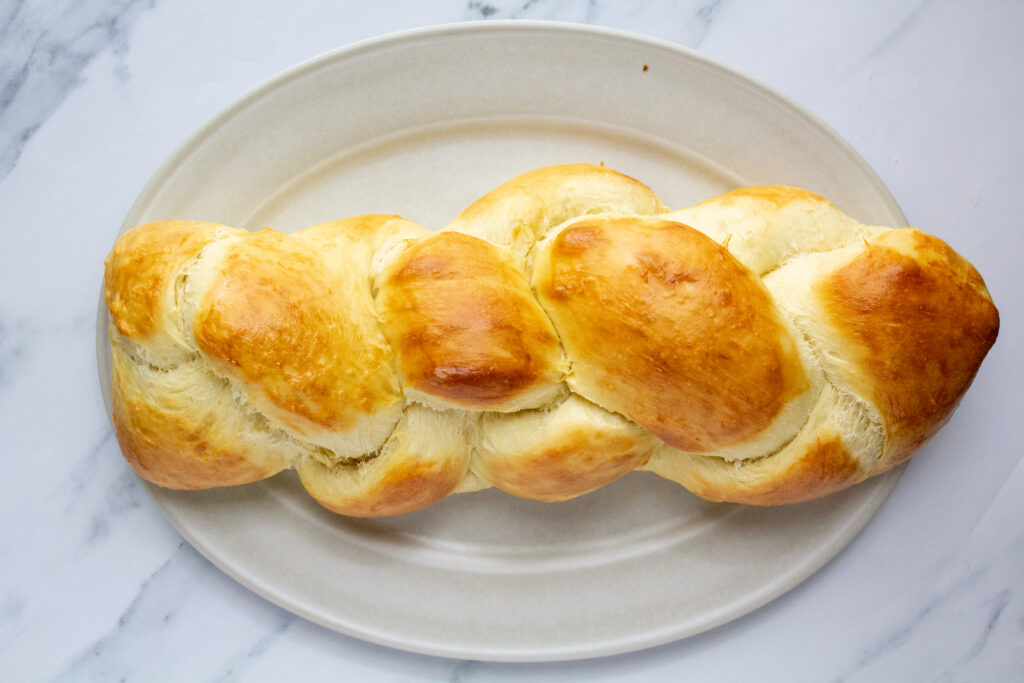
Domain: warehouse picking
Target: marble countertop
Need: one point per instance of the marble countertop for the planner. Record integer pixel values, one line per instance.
(96, 585)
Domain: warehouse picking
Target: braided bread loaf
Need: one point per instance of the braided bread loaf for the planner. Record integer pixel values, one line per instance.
(564, 330)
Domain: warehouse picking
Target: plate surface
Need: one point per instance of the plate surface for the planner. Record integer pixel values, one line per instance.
(420, 124)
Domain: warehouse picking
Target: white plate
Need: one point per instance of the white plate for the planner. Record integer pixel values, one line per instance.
(420, 124)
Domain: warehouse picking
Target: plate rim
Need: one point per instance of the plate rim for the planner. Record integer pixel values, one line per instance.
(634, 642)
(439, 31)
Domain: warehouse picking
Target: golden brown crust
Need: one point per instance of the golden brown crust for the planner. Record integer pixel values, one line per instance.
(777, 195)
(171, 439)
(466, 329)
(650, 342)
(174, 455)
(140, 268)
(560, 453)
(821, 467)
(835, 448)
(664, 326)
(765, 226)
(521, 211)
(404, 487)
(277, 317)
(362, 239)
(423, 460)
(584, 461)
(919, 322)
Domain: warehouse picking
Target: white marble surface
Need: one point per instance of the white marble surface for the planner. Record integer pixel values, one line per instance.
(96, 585)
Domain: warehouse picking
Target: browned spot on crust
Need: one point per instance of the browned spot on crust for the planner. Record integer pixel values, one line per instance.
(464, 323)
(665, 326)
(577, 240)
(920, 322)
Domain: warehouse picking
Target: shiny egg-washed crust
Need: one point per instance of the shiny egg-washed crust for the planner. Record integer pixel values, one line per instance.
(465, 327)
(760, 347)
(683, 308)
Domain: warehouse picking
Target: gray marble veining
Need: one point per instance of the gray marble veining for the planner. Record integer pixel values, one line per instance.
(893, 35)
(113, 648)
(44, 46)
(236, 669)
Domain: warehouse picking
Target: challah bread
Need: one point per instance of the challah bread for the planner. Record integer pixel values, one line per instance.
(760, 347)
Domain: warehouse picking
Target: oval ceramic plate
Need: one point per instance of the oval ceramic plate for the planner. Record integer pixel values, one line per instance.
(420, 124)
